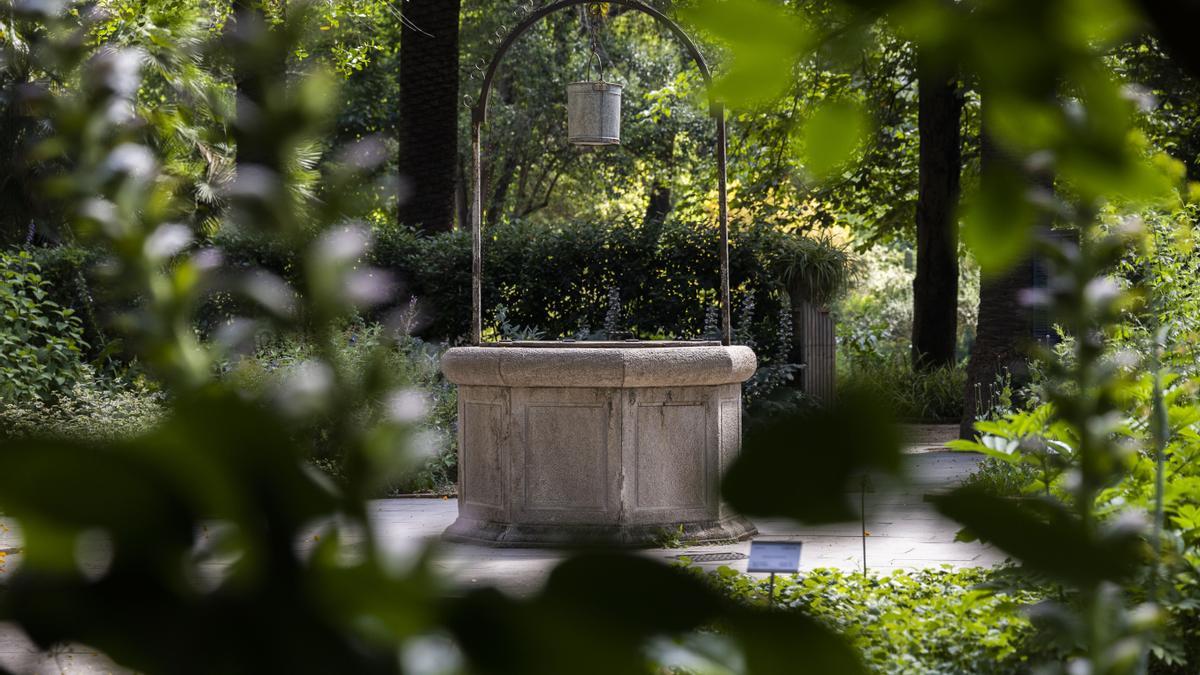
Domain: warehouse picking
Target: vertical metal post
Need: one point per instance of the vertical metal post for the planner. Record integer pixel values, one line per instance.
(718, 111)
(863, 516)
(476, 229)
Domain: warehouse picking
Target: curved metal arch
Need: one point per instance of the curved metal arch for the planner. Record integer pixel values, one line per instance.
(479, 110)
(479, 115)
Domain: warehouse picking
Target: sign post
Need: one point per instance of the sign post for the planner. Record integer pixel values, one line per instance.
(773, 557)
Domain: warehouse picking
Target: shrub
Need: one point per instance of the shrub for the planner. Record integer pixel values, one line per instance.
(67, 271)
(1003, 479)
(559, 278)
(40, 341)
(435, 468)
(876, 314)
(91, 408)
(1034, 452)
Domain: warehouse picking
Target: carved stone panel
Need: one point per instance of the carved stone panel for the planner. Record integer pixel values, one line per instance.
(671, 449)
(566, 457)
(481, 456)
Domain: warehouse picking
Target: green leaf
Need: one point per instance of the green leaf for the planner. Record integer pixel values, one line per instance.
(765, 39)
(801, 465)
(585, 602)
(998, 220)
(1046, 537)
(791, 642)
(832, 135)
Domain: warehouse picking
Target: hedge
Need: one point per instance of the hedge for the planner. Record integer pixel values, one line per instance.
(556, 278)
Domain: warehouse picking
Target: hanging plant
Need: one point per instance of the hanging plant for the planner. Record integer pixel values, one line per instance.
(815, 269)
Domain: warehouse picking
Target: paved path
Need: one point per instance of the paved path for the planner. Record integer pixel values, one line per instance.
(905, 533)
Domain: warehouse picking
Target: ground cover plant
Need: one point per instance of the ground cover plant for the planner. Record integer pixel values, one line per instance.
(927, 621)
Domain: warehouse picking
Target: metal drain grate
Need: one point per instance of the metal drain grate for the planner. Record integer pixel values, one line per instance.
(711, 557)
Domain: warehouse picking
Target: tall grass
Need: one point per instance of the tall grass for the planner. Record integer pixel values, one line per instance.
(933, 396)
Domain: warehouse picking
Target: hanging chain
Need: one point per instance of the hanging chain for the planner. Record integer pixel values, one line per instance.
(593, 16)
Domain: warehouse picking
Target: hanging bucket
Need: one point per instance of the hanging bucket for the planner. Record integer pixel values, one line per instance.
(594, 113)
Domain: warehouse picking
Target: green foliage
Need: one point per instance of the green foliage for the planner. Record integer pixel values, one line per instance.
(929, 621)
(1062, 47)
(293, 551)
(1034, 451)
(93, 408)
(40, 341)
(831, 136)
(774, 476)
(1040, 447)
(559, 278)
(580, 622)
(1001, 477)
(217, 454)
(927, 395)
(65, 269)
(762, 36)
(1070, 525)
(875, 315)
(816, 269)
(874, 325)
(233, 454)
(771, 391)
(430, 401)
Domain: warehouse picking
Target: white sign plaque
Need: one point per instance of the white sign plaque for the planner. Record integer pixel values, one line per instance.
(774, 556)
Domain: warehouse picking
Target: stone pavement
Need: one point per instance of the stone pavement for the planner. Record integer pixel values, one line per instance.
(905, 533)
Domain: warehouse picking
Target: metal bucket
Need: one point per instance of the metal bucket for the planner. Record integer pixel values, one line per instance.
(594, 113)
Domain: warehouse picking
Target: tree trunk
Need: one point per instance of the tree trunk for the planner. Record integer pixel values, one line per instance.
(1004, 325)
(252, 81)
(935, 288)
(429, 107)
(500, 186)
(659, 204)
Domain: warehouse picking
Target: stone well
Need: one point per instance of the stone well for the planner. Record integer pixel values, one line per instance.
(566, 443)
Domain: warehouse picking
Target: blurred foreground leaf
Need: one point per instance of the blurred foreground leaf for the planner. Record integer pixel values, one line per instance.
(621, 602)
(1046, 537)
(999, 219)
(119, 556)
(832, 134)
(801, 465)
(766, 39)
(791, 642)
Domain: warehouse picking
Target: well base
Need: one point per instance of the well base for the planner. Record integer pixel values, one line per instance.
(616, 444)
(510, 535)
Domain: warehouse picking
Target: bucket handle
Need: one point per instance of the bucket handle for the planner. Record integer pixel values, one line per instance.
(595, 56)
